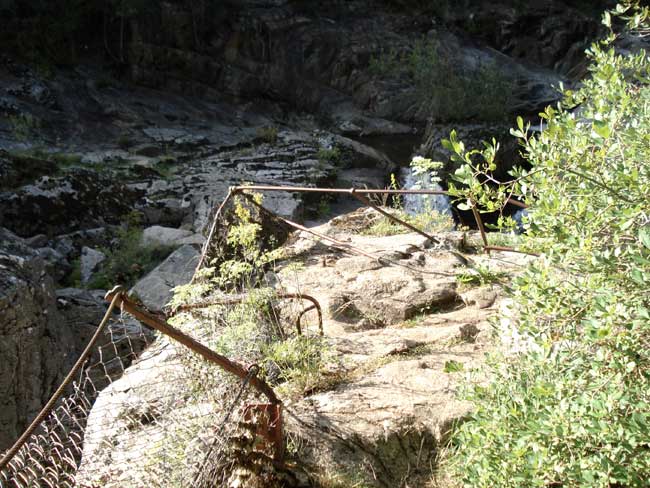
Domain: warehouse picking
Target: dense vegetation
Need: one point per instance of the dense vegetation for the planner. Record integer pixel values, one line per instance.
(569, 403)
(445, 88)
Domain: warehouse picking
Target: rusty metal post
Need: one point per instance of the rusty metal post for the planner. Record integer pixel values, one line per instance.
(479, 224)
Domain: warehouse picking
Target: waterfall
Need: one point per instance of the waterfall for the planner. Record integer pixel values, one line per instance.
(416, 204)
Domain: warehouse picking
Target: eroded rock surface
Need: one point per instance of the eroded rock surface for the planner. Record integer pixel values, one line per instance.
(398, 344)
(36, 345)
(401, 346)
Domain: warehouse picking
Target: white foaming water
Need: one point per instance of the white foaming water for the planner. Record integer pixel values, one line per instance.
(416, 204)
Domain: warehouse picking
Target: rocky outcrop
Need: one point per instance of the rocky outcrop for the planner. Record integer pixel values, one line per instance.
(387, 396)
(36, 345)
(550, 34)
(316, 57)
(57, 205)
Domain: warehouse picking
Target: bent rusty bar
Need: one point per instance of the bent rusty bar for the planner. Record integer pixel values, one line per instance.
(155, 322)
(238, 299)
(315, 305)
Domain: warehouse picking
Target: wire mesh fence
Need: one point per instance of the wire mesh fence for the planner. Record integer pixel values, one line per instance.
(145, 410)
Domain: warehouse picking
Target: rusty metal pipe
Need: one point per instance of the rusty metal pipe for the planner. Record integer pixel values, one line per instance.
(479, 224)
(314, 305)
(345, 246)
(308, 189)
(232, 300)
(159, 324)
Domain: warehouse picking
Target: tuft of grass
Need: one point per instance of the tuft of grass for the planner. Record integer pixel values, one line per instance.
(480, 276)
(453, 366)
(24, 126)
(331, 156)
(297, 363)
(431, 221)
(268, 134)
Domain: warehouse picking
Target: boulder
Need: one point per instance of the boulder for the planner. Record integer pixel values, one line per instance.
(156, 288)
(90, 262)
(167, 236)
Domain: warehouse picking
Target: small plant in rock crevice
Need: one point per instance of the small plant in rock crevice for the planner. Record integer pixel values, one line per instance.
(268, 134)
(24, 126)
(128, 259)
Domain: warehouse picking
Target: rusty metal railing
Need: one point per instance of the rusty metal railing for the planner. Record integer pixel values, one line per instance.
(361, 195)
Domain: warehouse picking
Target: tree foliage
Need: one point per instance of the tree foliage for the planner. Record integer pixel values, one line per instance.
(571, 405)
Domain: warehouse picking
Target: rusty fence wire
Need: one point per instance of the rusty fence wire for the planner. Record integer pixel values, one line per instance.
(145, 410)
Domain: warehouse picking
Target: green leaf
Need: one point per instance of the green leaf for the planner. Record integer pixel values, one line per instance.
(602, 128)
(644, 237)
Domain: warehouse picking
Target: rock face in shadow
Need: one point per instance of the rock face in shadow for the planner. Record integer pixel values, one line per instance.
(57, 205)
(36, 345)
(316, 57)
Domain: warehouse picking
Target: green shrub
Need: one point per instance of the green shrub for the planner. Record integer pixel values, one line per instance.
(268, 134)
(329, 156)
(445, 89)
(128, 260)
(24, 126)
(569, 404)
